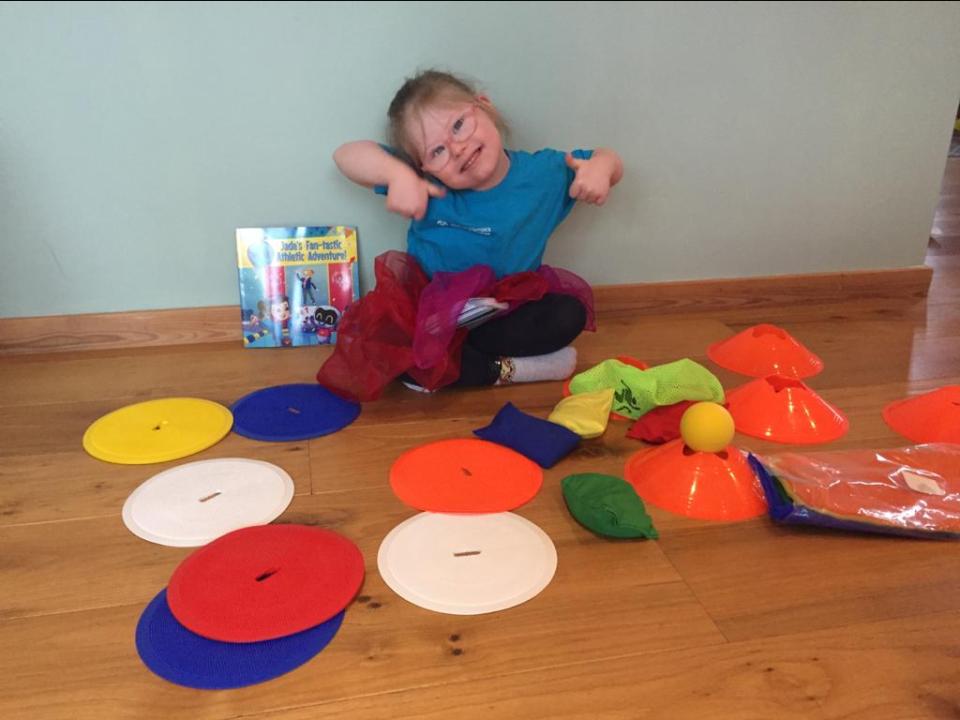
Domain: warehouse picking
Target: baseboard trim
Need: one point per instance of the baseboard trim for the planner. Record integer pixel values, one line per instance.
(689, 296)
(154, 328)
(108, 331)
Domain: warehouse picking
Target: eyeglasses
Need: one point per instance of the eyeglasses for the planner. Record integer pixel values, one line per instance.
(461, 129)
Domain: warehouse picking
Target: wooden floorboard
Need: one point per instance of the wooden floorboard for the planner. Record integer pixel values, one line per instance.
(808, 676)
(712, 621)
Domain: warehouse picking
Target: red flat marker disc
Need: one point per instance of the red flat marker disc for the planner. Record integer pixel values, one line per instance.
(266, 582)
(465, 476)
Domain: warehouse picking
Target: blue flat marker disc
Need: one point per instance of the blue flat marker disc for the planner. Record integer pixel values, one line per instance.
(292, 412)
(185, 658)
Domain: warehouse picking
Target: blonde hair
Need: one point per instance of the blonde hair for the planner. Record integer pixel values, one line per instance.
(425, 88)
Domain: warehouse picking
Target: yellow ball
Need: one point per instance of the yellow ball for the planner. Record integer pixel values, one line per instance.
(706, 427)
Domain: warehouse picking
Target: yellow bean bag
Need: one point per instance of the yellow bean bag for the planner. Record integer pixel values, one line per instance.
(586, 413)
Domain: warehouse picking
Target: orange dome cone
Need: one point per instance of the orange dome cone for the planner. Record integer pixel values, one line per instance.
(785, 410)
(764, 350)
(928, 418)
(701, 485)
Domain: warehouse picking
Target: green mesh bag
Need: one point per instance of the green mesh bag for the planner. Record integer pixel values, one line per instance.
(636, 391)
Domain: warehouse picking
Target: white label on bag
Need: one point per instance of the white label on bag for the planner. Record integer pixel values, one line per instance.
(922, 484)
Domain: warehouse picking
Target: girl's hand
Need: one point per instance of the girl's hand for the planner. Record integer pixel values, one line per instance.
(408, 194)
(592, 181)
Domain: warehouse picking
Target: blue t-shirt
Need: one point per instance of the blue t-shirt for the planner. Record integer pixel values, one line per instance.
(505, 227)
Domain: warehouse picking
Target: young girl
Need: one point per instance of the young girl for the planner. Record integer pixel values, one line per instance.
(481, 216)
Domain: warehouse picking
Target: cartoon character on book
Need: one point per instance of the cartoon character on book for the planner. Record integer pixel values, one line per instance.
(321, 320)
(327, 319)
(252, 324)
(307, 285)
(279, 320)
(307, 322)
(340, 282)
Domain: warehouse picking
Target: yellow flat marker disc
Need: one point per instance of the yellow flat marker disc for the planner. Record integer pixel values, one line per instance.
(157, 431)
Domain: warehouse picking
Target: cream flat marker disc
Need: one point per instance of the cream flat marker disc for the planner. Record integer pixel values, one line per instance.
(193, 504)
(467, 564)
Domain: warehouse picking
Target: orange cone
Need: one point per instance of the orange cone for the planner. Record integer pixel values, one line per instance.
(783, 409)
(626, 360)
(928, 418)
(701, 485)
(764, 350)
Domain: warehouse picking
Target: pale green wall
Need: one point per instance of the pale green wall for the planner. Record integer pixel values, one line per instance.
(758, 138)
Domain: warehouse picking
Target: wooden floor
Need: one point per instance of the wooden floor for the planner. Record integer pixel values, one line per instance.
(738, 621)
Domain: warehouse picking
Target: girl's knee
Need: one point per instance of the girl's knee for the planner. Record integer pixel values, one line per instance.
(569, 314)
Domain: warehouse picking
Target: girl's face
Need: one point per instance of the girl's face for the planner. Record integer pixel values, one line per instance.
(459, 144)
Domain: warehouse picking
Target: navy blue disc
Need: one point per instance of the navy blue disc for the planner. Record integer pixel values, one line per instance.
(292, 412)
(185, 658)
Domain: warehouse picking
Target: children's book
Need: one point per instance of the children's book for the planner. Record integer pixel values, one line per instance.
(478, 310)
(295, 283)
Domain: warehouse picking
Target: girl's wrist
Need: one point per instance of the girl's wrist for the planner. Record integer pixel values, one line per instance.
(399, 171)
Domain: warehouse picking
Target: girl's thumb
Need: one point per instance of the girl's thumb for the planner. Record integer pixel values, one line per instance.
(435, 190)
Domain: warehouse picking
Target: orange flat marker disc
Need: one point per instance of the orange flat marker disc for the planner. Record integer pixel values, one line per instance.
(465, 476)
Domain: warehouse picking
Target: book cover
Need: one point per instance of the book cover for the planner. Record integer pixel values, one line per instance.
(478, 310)
(295, 283)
